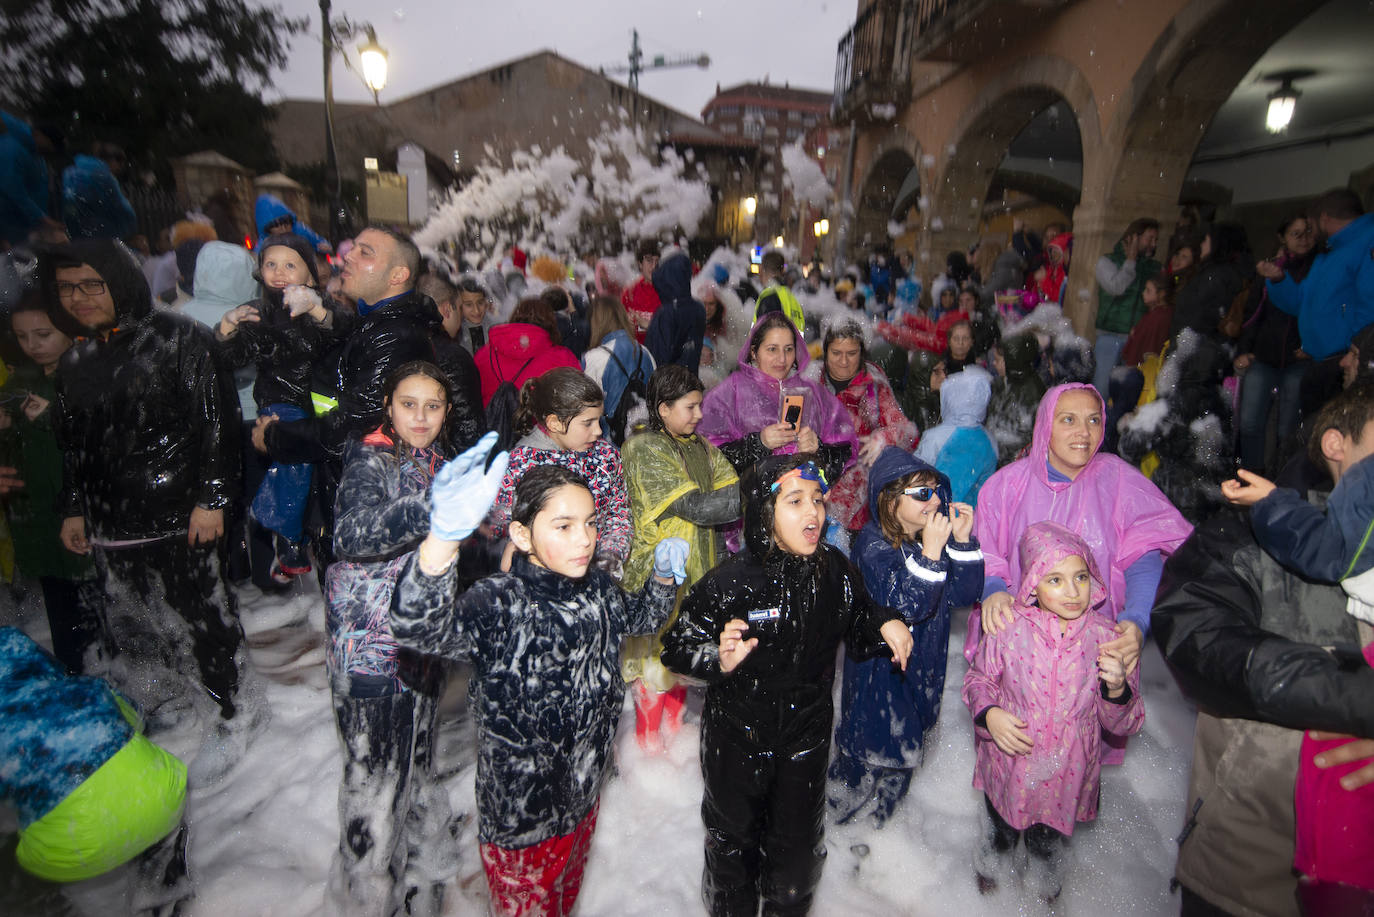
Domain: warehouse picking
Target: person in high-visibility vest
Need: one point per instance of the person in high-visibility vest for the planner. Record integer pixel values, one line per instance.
(776, 297)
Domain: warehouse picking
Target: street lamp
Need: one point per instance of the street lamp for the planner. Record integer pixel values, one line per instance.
(820, 228)
(751, 204)
(374, 63)
(374, 74)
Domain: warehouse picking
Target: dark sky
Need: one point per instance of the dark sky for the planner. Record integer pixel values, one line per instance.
(432, 42)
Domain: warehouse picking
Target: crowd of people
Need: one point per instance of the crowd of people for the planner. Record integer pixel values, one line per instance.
(650, 474)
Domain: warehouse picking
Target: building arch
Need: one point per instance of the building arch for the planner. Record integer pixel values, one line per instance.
(889, 180)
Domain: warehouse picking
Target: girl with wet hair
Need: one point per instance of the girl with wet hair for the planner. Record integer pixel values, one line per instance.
(544, 643)
(384, 700)
(559, 422)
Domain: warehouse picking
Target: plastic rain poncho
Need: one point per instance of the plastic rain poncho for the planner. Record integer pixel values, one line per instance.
(750, 399)
(659, 470)
(1046, 674)
(1110, 505)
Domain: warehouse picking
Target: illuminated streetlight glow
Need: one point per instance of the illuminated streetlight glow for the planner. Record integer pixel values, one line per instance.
(751, 204)
(778, 242)
(374, 64)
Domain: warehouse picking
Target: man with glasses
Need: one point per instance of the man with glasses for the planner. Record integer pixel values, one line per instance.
(149, 432)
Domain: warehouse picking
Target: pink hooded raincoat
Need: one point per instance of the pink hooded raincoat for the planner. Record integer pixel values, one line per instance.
(1049, 679)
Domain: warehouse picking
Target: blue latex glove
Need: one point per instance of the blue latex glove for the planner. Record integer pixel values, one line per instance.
(670, 559)
(462, 492)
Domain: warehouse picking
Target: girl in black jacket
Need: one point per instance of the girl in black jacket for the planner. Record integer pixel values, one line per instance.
(761, 630)
(544, 642)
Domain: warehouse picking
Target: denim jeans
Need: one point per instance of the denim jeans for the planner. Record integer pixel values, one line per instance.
(1107, 353)
(1256, 395)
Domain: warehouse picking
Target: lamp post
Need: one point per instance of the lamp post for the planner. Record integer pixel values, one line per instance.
(374, 75)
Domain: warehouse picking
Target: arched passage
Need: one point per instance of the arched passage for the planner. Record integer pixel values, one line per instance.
(1193, 67)
(891, 187)
(1003, 110)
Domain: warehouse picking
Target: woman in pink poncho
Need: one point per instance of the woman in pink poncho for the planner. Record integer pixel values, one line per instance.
(743, 416)
(1130, 526)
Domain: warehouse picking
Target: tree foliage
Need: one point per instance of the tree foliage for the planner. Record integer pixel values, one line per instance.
(162, 78)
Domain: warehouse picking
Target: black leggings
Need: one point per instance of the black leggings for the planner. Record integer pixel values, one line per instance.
(1042, 841)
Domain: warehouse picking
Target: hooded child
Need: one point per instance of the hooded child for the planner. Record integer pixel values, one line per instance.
(745, 418)
(917, 555)
(682, 487)
(1042, 691)
(391, 858)
(762, 630)
(283, 335)
(959, 447)
(1127, 523)
(544, 643)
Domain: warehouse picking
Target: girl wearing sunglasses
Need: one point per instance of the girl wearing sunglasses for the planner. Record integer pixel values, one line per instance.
(917, 555)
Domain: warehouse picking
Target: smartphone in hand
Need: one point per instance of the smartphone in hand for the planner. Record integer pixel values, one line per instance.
(792, 404)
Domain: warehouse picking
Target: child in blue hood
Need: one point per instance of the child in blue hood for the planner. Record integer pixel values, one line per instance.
(917, 555)
(959, 446)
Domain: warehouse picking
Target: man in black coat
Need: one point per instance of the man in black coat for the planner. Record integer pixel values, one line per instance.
(149, 433)
(1265, 653)
(396, 325)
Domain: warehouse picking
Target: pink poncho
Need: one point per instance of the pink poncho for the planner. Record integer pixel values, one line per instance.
(749, 399)
(1110, 505)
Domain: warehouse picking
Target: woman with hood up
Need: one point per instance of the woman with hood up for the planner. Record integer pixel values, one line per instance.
(1064, 478)
(918, 557)
(959, 446)
(761, 630)
(864, 391)
(745, 417)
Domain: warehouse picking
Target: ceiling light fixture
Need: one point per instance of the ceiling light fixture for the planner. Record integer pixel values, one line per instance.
(1284, 100)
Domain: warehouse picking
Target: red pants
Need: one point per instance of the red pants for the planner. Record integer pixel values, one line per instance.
(541, 880)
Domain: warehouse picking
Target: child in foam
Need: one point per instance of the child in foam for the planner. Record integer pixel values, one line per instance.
(560, 422)
(917, 554)
(1041, 692)
(680, 486)
(91, 791)
(762, 630)
(385, 701)
(544, 641)
(283, 334)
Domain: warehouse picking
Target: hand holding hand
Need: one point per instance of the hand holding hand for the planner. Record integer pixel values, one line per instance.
(1127, 646)
(1112, 672)
(807, 440)
(1248, 490)
(73, 535)
(206, 525)
(260, 431)
(935, 535)
(961, 522)
(670, 559)
(898, 638)
(777, 435)
(463, 491)
(1009, 732)
(996, 612)
(733, 646)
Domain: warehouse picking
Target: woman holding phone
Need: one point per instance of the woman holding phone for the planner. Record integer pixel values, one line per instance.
(768, 408)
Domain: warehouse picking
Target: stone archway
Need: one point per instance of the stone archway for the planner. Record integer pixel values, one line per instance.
(889, 179)
(1193, 67)
(1003, 108)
